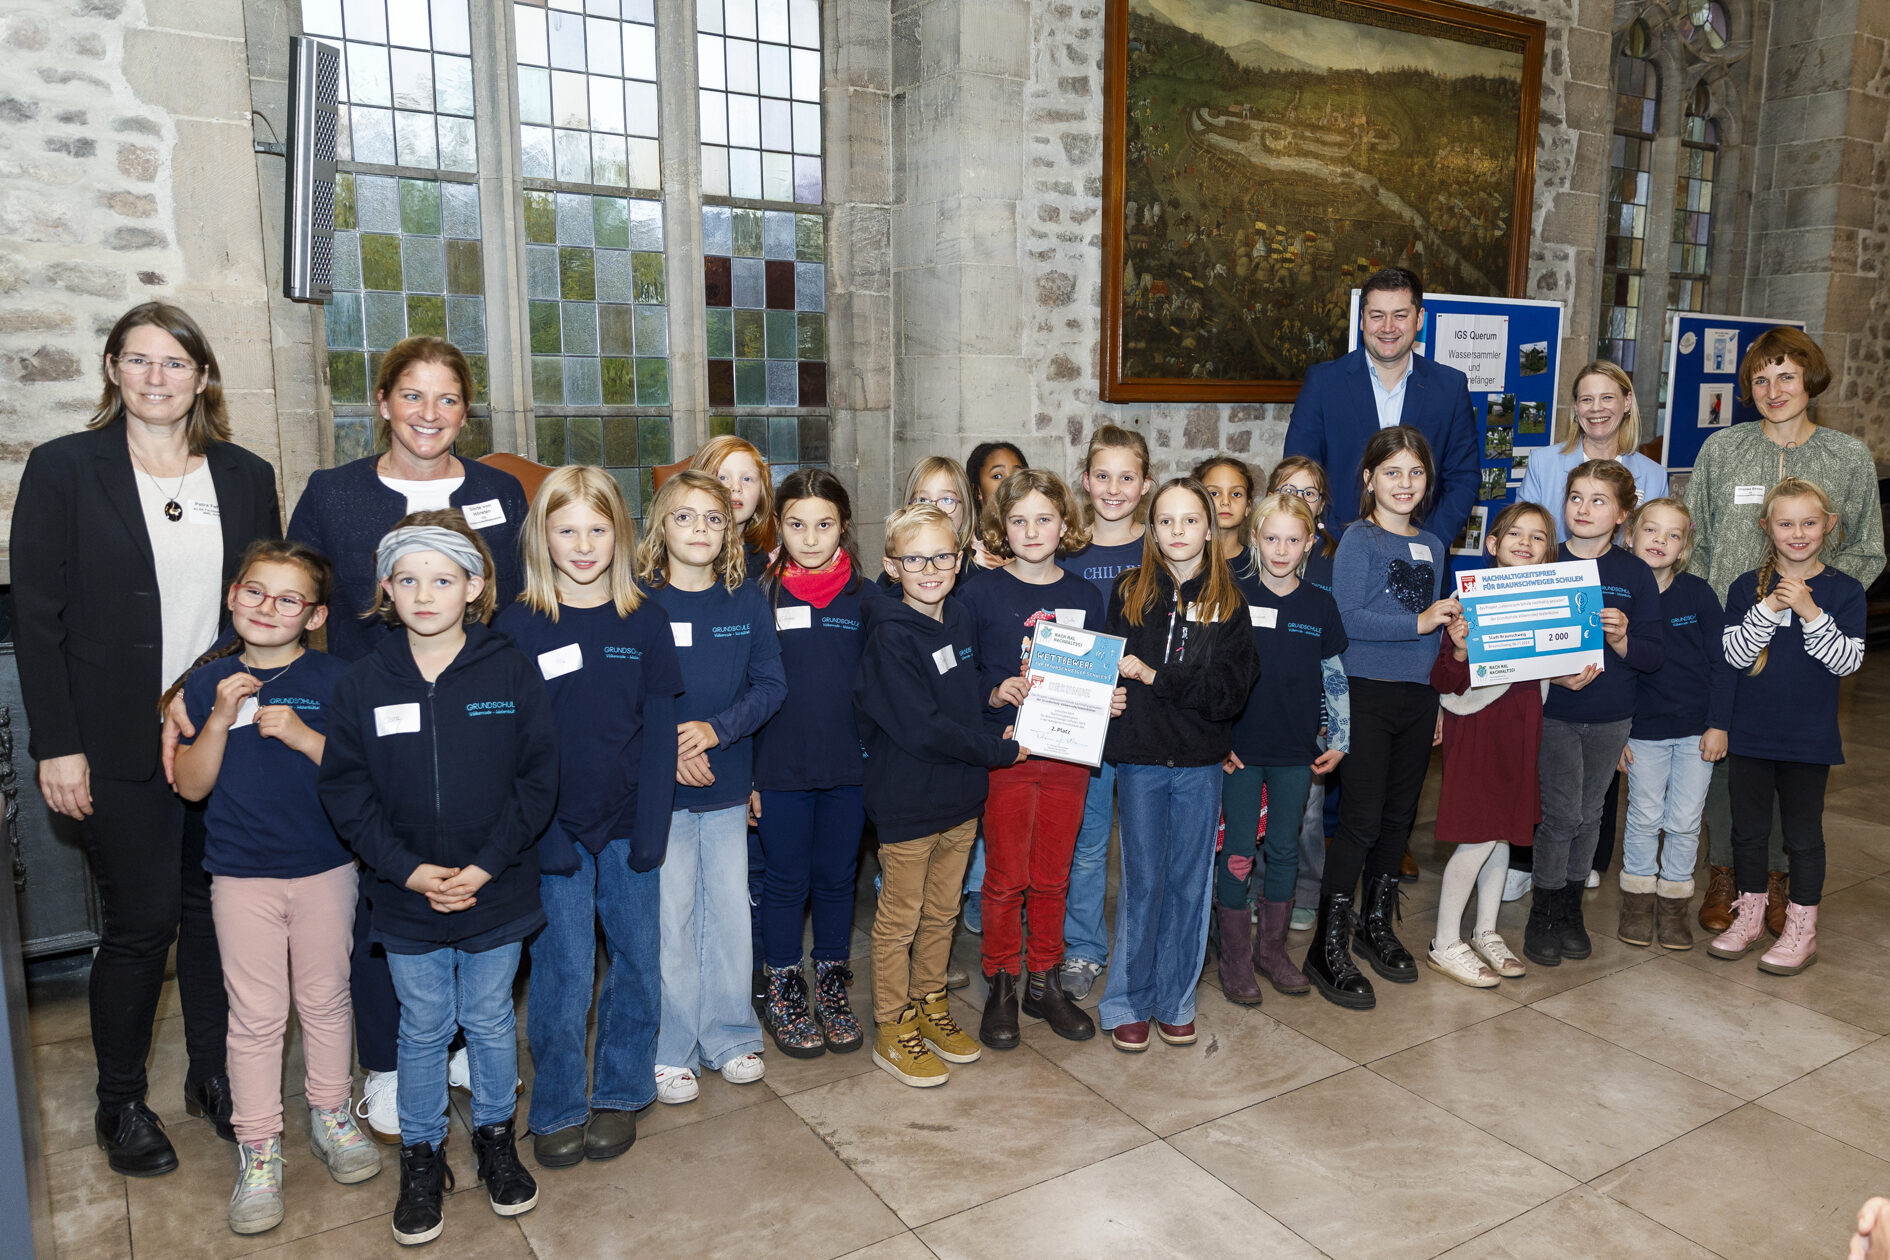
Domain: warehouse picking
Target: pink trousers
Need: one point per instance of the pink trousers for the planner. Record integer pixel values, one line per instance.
(283, 937)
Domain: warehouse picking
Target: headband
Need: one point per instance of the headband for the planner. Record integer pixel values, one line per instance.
(411, 538)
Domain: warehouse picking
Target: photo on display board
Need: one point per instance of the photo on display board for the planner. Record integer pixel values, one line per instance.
(1495, 483)
(1518, 465)
(1716, 405)
(1534, 358)
(1502, 409)
(1498, 441)
(1721, 351)
(1470, 542)
(1532, 418)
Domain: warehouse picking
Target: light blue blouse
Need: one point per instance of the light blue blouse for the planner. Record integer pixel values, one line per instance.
(1546, 482)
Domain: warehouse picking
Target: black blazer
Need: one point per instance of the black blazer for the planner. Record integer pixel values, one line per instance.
(87, 623)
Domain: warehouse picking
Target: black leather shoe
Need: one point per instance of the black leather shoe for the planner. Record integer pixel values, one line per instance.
(424, 1181)
(1569, 926)
(211, 1101)
(509, 1188)
(1375, 941)
(1045, 999)
(1542, 940)
(560, 1148)
(998, 1028)
(610, 1134)
(134, 1143)
(1328, 963)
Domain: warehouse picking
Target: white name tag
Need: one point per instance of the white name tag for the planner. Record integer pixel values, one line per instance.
(1071, 617)
(683, 632)
(1787, 614)
(201, 513)
(1420, 551)
(396, 719)
(1194, 612)
(945, 658)
(1263, 618)
(245, 713)
(797, 617)
(561, 661)
(1748, 494)
(484, 515)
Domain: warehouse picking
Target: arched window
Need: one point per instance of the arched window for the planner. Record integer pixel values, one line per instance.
(1630, 185)
(1689, 259)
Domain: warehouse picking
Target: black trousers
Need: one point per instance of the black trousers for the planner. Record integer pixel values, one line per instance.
(371, 988)
(1798, 788)
(1393, 724)
(146, 849)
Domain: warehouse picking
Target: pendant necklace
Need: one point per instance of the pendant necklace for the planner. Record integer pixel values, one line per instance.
(263, 682)
(173, 510)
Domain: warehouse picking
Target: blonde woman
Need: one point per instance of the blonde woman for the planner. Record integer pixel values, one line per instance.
(1606, 425)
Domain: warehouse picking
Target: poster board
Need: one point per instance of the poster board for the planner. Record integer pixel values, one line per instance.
(1703, 353)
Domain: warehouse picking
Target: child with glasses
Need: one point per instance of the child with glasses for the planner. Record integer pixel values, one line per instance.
(939, 481)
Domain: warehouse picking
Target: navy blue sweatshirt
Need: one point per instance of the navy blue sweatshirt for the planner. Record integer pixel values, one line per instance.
(1628, 584)
(613, 683)
(732, 679)
(1006, 610)
(1101, 566)
(461, 771)
(1203, 674)
(812, 743)
(1292, 636)
(919, 701)
(345, 511)
(1692, 689)
(1788, 711)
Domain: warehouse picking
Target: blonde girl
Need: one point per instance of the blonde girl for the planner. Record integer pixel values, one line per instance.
(1305, 479)
(740, 466)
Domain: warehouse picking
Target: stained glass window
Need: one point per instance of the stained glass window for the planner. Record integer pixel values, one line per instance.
(407, 86)
(758, 75)
(587, 92)
(765, 290)
(630, 447)
(597, 307)
(1637, 103)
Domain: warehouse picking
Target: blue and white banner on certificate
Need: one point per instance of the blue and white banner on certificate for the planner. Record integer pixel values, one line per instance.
(1532, 621)
(1072, 676)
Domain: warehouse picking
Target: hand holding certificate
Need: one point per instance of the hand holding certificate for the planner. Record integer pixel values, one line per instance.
(1532, 621)
(1072, 676)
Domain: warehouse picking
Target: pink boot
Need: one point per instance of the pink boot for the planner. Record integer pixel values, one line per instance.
(1747, 929)
(1797, 947)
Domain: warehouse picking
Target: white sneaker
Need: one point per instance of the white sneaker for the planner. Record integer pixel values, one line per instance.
(1494, 950)
(1456, 961)
(1516, 885)
(675, 1085)
(1594, 880)
(380, 1107)
(743, 1070)
(459, 1069)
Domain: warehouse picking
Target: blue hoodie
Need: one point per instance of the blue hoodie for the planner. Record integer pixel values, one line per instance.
(462, 771)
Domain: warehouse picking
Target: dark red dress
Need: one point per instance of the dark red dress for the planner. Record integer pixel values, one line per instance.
(1489, 790)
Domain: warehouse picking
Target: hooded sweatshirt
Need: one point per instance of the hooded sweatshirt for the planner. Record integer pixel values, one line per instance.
(462, 771)
(918, 697)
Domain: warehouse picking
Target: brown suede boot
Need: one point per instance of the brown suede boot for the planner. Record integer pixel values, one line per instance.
(1637, 910)
(1670, 914)
(1777, 885)
(1716, 912)
(1236, 967)
(1269, 950)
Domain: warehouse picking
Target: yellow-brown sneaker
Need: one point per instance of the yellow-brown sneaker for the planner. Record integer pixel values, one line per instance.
(949, 1042)
(898, 1048)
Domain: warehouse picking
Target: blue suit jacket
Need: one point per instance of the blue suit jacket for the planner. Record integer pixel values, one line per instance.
(1337, 413)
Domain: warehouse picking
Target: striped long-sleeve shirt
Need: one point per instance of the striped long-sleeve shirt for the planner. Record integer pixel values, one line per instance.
(1788, 711)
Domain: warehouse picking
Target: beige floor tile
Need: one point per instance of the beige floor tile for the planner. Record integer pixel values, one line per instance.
(57, 1008)
(473, 1232)
(1862, 910)
(1850, 981)
(1003, 1123)
(67, 1078)
(1578, 1103)
(90, 1218)
(1406, 1015)
(1846, 1100)
(1754, 1185)
(1243, 1056)
(752, 1182)
(1150, 1201)
(1712, 1029)
(1354, 1165)
(1609, 956)
(898, 1247)
(1859, 841)
(1583, 1223)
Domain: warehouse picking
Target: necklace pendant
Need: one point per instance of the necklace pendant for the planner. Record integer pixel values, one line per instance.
(173, 511)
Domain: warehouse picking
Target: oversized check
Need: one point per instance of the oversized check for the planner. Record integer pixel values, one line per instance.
(1532, 621)
(1072, 674)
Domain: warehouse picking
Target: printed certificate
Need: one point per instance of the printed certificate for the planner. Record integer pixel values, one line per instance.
(1072, 674)
(1534, 621)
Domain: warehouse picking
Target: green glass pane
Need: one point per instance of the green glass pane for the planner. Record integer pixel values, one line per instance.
(653, 440)
(813, 441)
(813, 336)
(374, 369)
(746, 233)
(646, 278)
(344, 202)
(782, 338)
(342, 319)
(347, 376)
(420, 207)
(629, 482)
(721, 334)
(615, 330)
(620, 390)
(585, 445)
(548, 381)
(648, 480)
(545, 330)
(354, 438)
(721, 426)
(753, 429)
(541, 218)
(475, 439)
(783, 440)
(652, 382)
(550, 440)
(380, 262)
(426, 316)
(612, 215)
(750, 335)
(652, 331)
(620, 440)
(751, 387)
(465, 269)
(577, 274)
(810, 238)
(481, 375)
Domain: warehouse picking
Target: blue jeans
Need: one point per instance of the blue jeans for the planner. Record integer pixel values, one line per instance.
(564, 961)
(441, 992)
(707, 950)
(974, 869)
(1667, 783)
(1169, 817)
(812, 841)
(1085, 936)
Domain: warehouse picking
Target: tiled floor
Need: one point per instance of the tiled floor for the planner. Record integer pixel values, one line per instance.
(1637, 1104)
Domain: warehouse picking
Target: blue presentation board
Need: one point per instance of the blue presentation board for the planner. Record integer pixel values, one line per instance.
(1703, 353)
(1510, 348)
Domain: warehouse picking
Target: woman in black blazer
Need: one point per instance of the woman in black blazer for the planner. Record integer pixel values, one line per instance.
(125, 538)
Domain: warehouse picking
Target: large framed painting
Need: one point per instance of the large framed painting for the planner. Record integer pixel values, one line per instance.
(1262, 157)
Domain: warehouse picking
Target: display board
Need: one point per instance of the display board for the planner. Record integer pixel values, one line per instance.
(1703, 353)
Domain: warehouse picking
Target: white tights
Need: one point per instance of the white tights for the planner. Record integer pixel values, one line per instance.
(1479, 865)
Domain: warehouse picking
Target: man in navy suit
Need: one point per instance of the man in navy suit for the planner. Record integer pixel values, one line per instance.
(1380, 384)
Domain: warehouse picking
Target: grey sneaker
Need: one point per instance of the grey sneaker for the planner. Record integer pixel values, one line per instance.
(1303, 918)
(256, 1203)
(336, 1141)
(956, 977)
(1079, 977)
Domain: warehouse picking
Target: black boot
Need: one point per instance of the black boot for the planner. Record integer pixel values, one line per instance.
(424, 1181)
(1572, 932)
(1375, 942)
(509, 1187)
(211, 1101)
(1328, 964)
(133, 1141)
(998, 1028)
(1044, 999)
(1542, 937)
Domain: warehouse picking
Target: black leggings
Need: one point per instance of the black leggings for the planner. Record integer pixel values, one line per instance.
(1393, 724)
(1798, 787)
(146, 849)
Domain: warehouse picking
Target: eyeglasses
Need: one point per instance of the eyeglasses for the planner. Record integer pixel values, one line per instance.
(944, 562)
(686, 518)
(944, 503)
(173, 368)
(1307, 493)
(256, 597)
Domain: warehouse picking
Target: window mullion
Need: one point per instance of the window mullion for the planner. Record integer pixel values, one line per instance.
(495, 86)
(678, 111)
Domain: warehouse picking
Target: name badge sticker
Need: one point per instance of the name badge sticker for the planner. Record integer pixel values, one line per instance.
(1071, 617)
(245, 713)
(1748, 494)
(202, 513)
(561, 661)
(1420, 551)
(945, 659)
(484, 515)
(1263, 618)
(683, 632)
(1194, 612)
(397, 719)
(797, 617)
